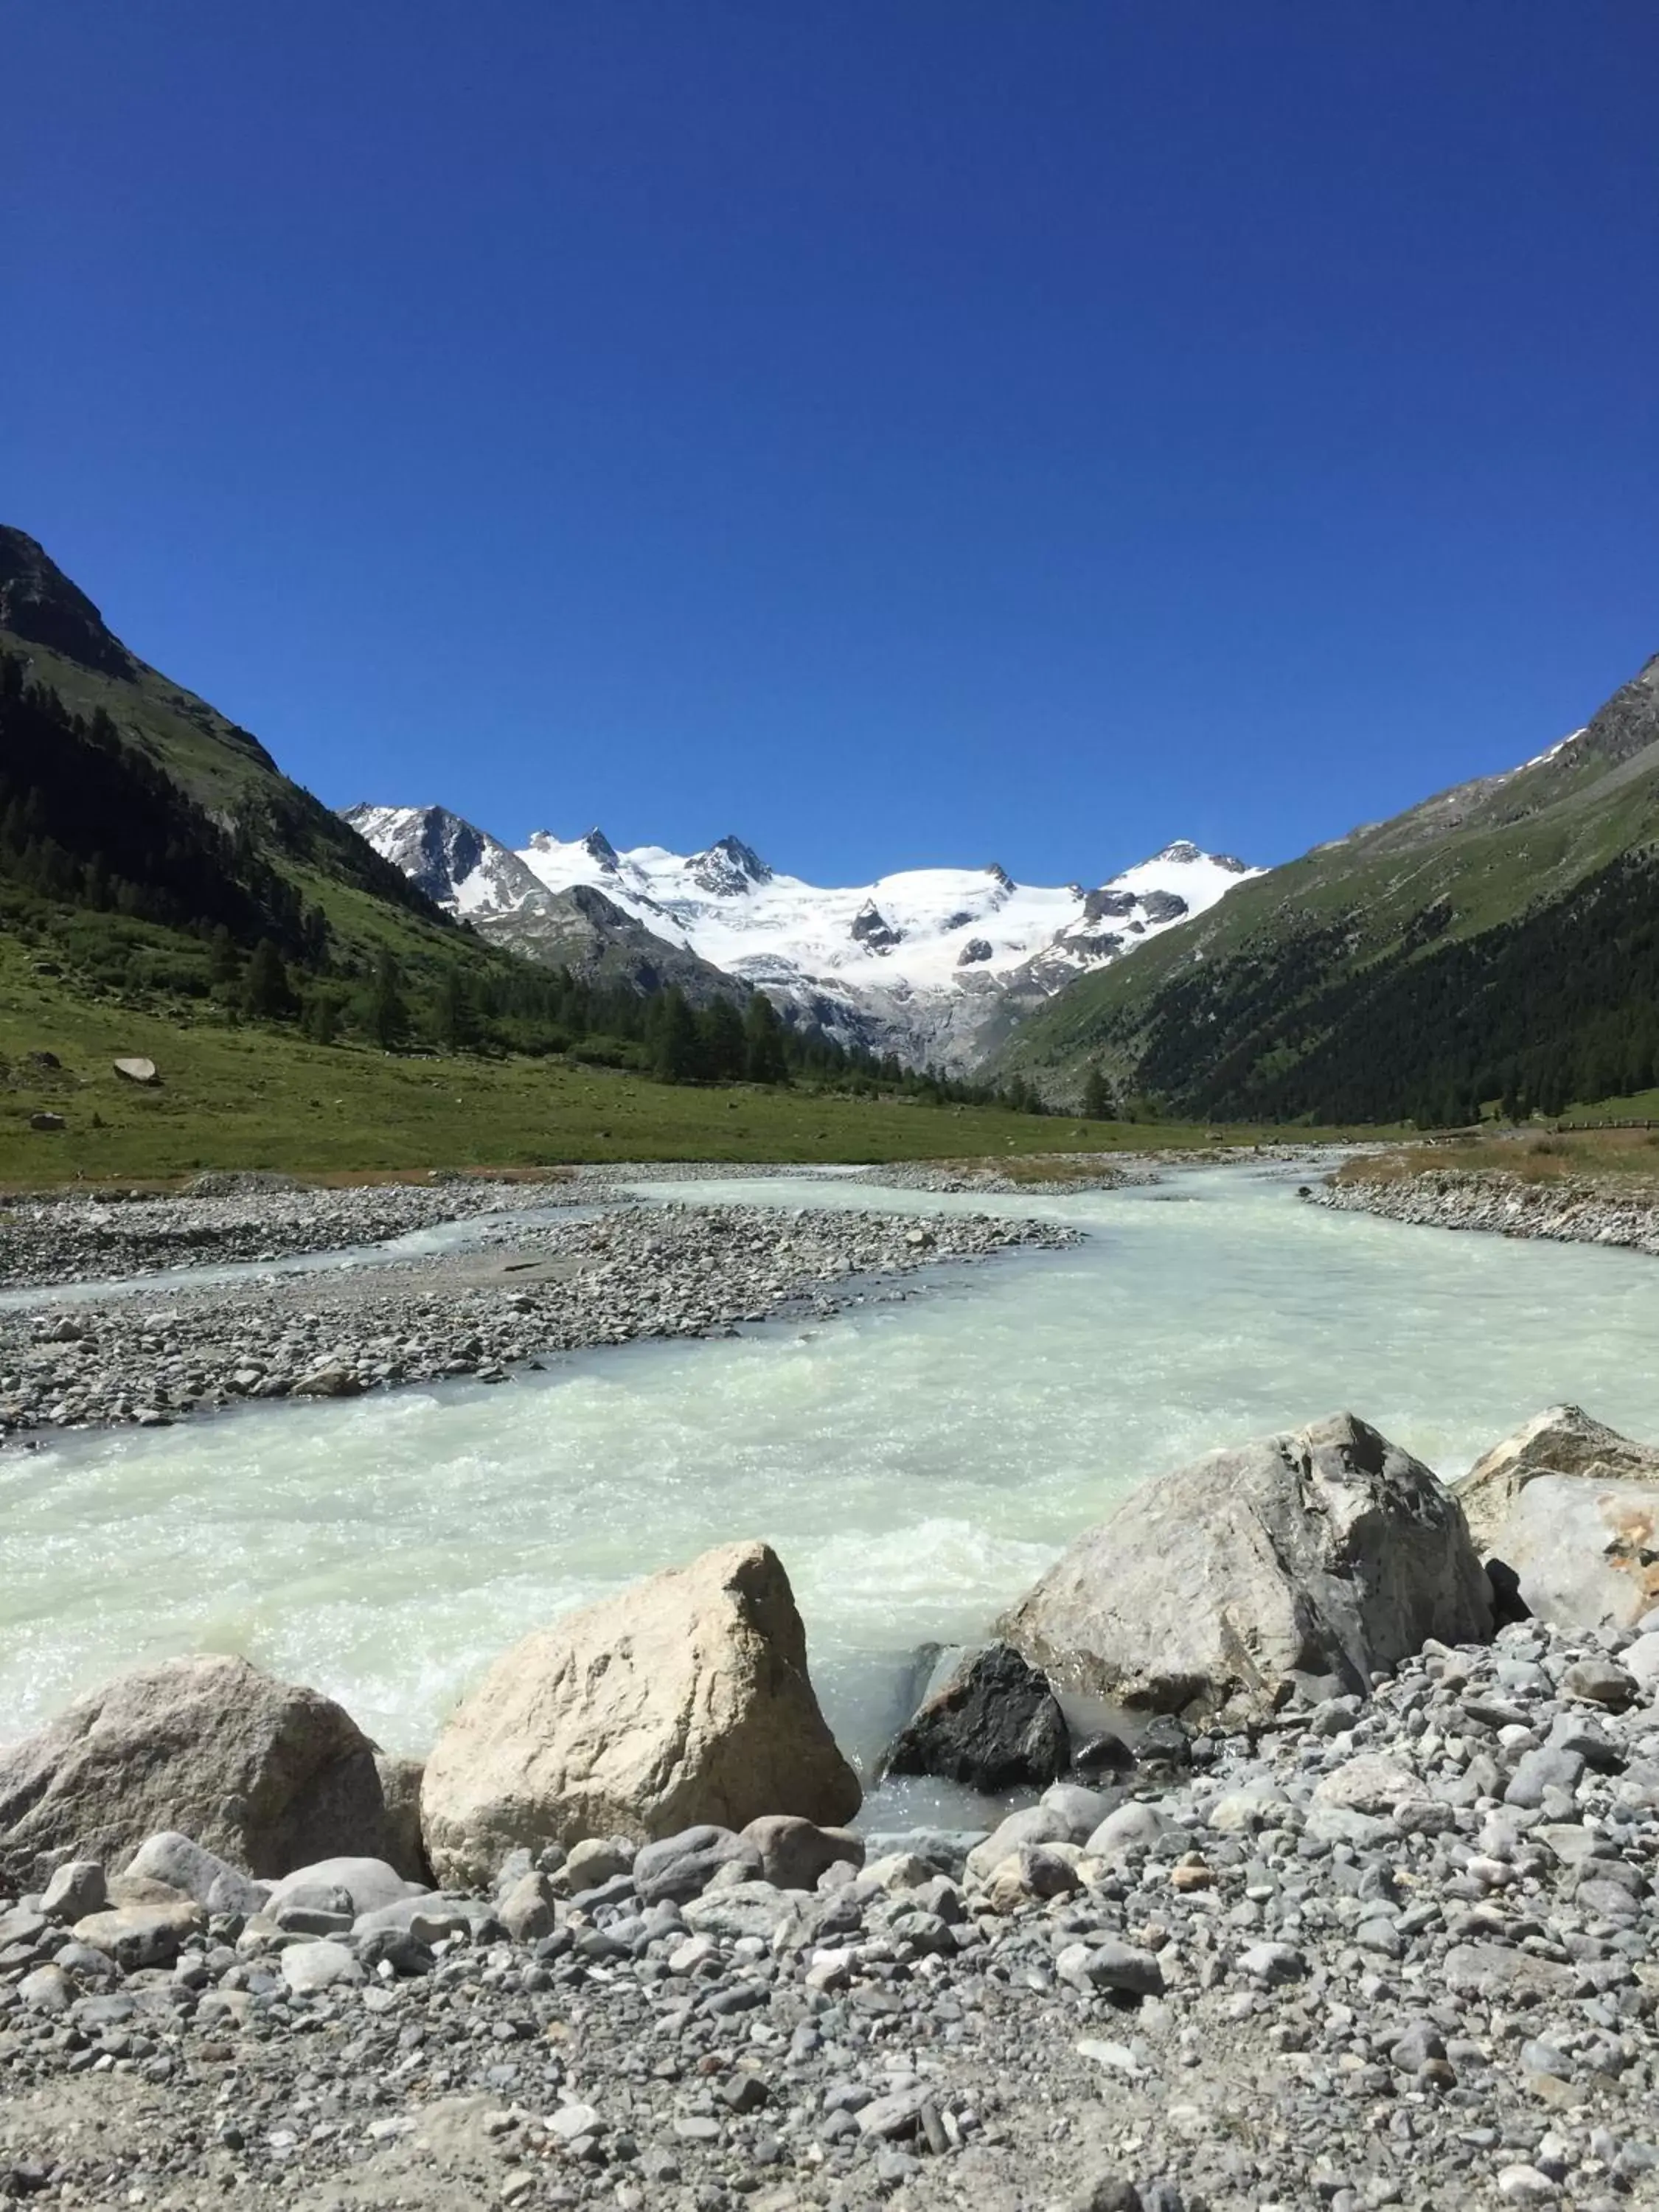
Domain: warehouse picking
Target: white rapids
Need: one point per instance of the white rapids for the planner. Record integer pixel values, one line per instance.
(916, 1462)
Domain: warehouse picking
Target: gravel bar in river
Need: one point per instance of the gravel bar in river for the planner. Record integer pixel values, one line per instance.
(518, 1291)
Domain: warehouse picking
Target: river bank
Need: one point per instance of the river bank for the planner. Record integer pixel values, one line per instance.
(1395, 1954)
(1502, 1204)
(76, 1234)
(516, 1291)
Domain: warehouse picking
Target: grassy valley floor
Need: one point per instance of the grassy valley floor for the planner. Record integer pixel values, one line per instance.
(253, 1097)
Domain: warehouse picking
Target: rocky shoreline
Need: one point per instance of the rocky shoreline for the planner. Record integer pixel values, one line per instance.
(1393, 1950)
(516, 1294)
(54, 1238)
(1336, 1890)
(1504, 1205)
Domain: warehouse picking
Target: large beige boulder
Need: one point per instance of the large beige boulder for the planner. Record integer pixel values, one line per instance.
(1298, 1560)
(267, 1775)
(685, 1700)
(1572, 1508)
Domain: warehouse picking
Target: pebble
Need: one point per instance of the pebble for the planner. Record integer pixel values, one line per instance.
(1460, 2011)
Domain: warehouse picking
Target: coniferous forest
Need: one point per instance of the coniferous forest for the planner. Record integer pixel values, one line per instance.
(1561, 1005)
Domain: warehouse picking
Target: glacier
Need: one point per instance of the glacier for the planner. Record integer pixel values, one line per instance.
(933, 964)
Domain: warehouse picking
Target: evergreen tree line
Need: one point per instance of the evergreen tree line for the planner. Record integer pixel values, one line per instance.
(1557, 1006)
(660, 1034)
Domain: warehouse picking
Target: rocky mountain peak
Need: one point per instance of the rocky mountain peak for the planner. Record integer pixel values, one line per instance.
(39, 603)
(873, 930)
(456, 864)
(917, 963)
(727, 868)
(1627, 724)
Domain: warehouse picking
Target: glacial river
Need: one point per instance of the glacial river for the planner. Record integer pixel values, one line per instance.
(915, 1463)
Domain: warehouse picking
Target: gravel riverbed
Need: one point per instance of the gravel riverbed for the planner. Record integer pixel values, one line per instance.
(516, 1292)
(1400, 1952)
(71, 1236)
(1567, 1213)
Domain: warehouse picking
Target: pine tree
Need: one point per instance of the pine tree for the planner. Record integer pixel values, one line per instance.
(456, 1017)
(321, 1021)
(724, 1044)
(224, 960)
(1097, 1103)
(313, 938)
(764, 1057)
(388, 1014)
(265, 992)
(676, 1054)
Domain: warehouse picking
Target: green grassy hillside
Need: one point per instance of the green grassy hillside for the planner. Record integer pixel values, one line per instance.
(1500, 936)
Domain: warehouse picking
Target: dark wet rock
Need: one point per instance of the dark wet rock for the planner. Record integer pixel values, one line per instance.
(992, 1723)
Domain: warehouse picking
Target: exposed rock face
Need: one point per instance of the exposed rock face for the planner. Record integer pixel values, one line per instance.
(684, 1701)
(992, 1723)
(727, 868)
(871, 928)
(1572, 1508)
(1298, 1561)
(1562, 1440)
(38, 603)
(267, 1775)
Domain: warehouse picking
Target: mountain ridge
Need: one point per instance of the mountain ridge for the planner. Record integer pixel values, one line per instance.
(62, 643)
(1472, 933)
(926, 964)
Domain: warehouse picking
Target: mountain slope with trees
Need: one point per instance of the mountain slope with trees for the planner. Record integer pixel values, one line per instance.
(1499, 942)
(156, 864)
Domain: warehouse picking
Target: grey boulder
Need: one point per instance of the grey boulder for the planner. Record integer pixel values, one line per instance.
(678, 1868)
(76, 1889)
(367, 1884)
(1571, 1508)
(1227, 1585)
(1033, 1824)
(400, 1790)
(794, 1852)
(184, 1866)
(747, 1908)
(136, 1935)
(309, 1968)
(265, 1774)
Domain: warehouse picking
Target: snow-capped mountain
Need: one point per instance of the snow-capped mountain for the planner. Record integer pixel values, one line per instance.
(927, 963)
(458, 866)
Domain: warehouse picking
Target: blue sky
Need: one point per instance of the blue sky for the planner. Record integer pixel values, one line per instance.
(898, 431)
